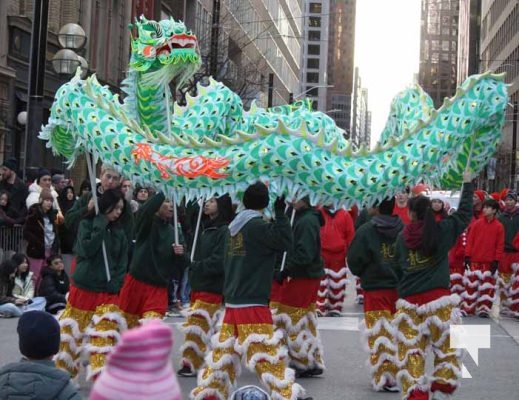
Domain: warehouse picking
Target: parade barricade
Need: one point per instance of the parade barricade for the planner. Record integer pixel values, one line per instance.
(11, 241)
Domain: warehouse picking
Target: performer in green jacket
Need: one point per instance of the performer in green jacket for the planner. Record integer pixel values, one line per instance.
(206, 276)
(93, 303)
(371, 257)
(426, 309)
(156, 260)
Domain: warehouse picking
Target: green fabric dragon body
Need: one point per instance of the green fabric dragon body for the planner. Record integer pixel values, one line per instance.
(212, 145)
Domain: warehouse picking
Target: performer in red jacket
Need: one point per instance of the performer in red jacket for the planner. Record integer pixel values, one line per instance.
(336, 236)
(485, 246)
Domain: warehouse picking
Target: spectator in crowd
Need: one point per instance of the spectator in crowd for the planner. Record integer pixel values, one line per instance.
(438, 207)
(8, 216)
(85, 187)
(401, 208)
(54, 285)
(66, 200)
(59, 182)
(40, 232)
(126, 188)
(36, 376)
(43, 181)
(102, 258)
(15, 187)
(140, 366)
(24, 284)
(9, 305)
(141, 194)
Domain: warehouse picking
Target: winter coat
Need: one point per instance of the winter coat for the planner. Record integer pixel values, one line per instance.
(24, 288)
(153, 260)
(510, 221)
(336, 236)
(6, 291)
(66, 235)
(8, 217)
(34, 233)
(250, 257)
(78, 210)
(371, 255)
(90, 273)
(206, 273)
(34, 196)
(418, 273)
(486, 241)
(304, 259)
(54, 288)
(36, 379)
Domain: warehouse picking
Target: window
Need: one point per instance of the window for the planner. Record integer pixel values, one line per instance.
(312, 63)
(314, 35)
(316, 8)
(314, 49)
(312, 77)
(314, 22)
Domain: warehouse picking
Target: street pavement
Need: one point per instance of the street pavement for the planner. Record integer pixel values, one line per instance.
(495, 376)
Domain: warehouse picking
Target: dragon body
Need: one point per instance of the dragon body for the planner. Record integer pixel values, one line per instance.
(212, 144)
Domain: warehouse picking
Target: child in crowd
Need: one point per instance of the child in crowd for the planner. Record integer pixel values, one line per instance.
(66, 200)
(24, 286)
(36, 376)
(140, 367)
(40, 232)
(54, 285)
(8, 217)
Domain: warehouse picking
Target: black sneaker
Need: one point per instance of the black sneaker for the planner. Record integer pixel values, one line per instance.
(314, 371)
(186, 372)
(391, 388)
(305, 398)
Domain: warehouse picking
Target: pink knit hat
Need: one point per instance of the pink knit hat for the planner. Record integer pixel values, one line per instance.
(139, 367)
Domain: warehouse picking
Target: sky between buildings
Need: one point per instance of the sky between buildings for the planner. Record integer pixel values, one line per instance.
(387, 45)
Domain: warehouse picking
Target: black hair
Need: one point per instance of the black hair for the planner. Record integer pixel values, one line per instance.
(18, 258)
(386, 206)
(491, 203)
(85, 185)
(107, 202)
(6, 269)
(225, 210)
(53, 257)
(421, 206)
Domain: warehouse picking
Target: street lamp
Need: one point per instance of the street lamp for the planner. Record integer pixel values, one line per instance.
(311, 88)
(71, 37)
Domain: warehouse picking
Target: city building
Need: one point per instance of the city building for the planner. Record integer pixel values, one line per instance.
(439, 48)
(341, 62)
(360, 116)
(499, 52)
(106, 52)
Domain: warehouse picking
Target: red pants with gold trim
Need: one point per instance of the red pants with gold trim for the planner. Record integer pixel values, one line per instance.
(139, 300)
(423, 322)
(246, 335)
(379, 336)
(91, 321)
(200, 326)
(332, 289)
(508, 284)
(296, 317)
(479, 294)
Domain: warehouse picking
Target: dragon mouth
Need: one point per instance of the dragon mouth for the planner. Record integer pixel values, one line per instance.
(177, 42)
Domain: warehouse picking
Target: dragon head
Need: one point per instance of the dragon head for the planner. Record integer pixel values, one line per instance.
(164, 50)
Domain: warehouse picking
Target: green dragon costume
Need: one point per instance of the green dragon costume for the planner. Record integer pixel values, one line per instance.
(213, 145)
